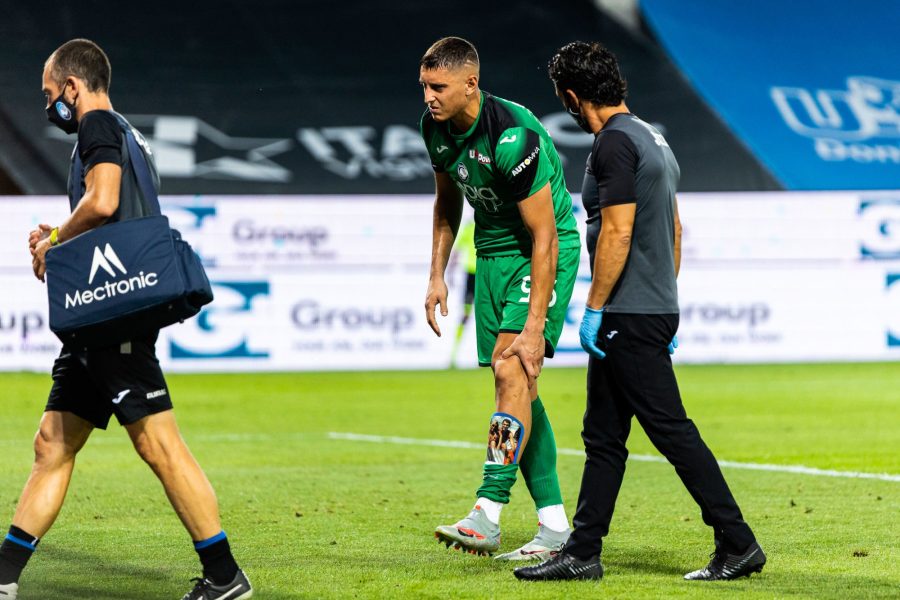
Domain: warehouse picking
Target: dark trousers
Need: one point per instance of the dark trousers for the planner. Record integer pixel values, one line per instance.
(636, 379)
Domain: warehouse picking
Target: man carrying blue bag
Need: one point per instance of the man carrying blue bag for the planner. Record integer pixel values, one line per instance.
(115, 257)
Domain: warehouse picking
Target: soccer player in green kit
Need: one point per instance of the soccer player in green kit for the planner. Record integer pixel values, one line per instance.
(497, 155)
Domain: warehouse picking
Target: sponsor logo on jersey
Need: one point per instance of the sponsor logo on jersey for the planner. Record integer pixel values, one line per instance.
(156, 394)
(485, 197)
(442, 149)
(118, 399)
(106, 260)
(527, 162)
(462, 171)
(481, 158)
(508, 139)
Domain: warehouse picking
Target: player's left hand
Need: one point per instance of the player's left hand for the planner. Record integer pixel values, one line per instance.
(529, 346)
(673, 344)
(38, 258)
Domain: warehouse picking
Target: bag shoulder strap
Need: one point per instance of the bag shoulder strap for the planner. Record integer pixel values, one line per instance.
(142, 172)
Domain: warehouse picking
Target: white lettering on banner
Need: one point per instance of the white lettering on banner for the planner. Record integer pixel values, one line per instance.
(175, 139)
(836, 150)
(841, 120)
(349, 153)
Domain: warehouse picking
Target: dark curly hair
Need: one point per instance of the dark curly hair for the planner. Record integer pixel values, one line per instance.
(589, 70)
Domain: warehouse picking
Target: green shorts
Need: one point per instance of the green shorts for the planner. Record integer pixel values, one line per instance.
(502, 293)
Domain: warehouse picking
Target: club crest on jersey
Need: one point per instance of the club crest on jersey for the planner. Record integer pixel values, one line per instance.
(481, 158)
(462, 171)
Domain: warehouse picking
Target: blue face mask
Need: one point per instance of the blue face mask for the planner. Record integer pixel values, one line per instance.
(62, 114)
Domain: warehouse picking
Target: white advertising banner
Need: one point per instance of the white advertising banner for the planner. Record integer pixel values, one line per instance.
(334, 282)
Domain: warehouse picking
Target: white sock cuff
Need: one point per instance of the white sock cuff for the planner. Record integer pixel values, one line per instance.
(554, 517)
(491, 509)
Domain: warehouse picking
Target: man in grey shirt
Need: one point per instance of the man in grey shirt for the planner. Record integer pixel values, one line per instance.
(634, 238)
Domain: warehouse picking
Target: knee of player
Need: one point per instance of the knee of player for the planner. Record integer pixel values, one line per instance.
(48, 450)
(151, 451)
(507, 370)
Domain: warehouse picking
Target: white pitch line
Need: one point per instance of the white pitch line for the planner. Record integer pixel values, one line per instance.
(730, 464)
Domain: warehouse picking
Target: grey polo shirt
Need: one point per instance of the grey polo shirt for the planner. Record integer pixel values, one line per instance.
(631, 162)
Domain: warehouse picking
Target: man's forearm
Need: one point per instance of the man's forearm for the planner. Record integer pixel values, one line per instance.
(544, 257)
(444, 229)
(85, 217)
(612, 253)
(677, 248)
(677, 256)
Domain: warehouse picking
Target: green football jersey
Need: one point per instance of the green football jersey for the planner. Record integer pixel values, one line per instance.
(505, 157)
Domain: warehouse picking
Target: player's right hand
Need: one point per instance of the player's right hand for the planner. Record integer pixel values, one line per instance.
(436, 295)
(589, 330)
(42, 232)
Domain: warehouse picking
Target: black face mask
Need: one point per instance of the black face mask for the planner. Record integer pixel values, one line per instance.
(62, 114)
(579, 120)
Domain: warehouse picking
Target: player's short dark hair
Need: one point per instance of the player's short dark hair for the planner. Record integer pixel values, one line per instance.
(589, 70)
(82, 59)
(449, 53)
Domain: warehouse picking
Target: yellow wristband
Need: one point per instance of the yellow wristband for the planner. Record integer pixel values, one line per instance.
(54, 236)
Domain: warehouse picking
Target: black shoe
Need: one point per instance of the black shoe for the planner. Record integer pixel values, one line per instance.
(562, 566)
(730, 566)
(238, 589)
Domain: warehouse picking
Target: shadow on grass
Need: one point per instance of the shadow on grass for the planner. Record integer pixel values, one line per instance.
(775, 578)
(77, 575)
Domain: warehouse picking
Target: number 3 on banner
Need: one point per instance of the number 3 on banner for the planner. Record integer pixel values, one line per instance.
(526, 289)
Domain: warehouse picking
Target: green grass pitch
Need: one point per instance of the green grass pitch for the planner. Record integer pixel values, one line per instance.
(314, 517)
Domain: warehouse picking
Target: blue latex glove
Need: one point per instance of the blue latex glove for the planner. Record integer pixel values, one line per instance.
(589, 330)
(673, 344)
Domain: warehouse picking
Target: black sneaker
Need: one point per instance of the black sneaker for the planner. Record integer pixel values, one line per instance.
(730, 566)
(238, 589)
(562, 566)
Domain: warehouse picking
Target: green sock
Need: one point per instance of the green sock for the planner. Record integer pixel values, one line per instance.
(539, 460)
(498, 481)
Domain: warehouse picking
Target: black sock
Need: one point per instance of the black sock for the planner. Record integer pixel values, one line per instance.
(15, 551)
(215, 556)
